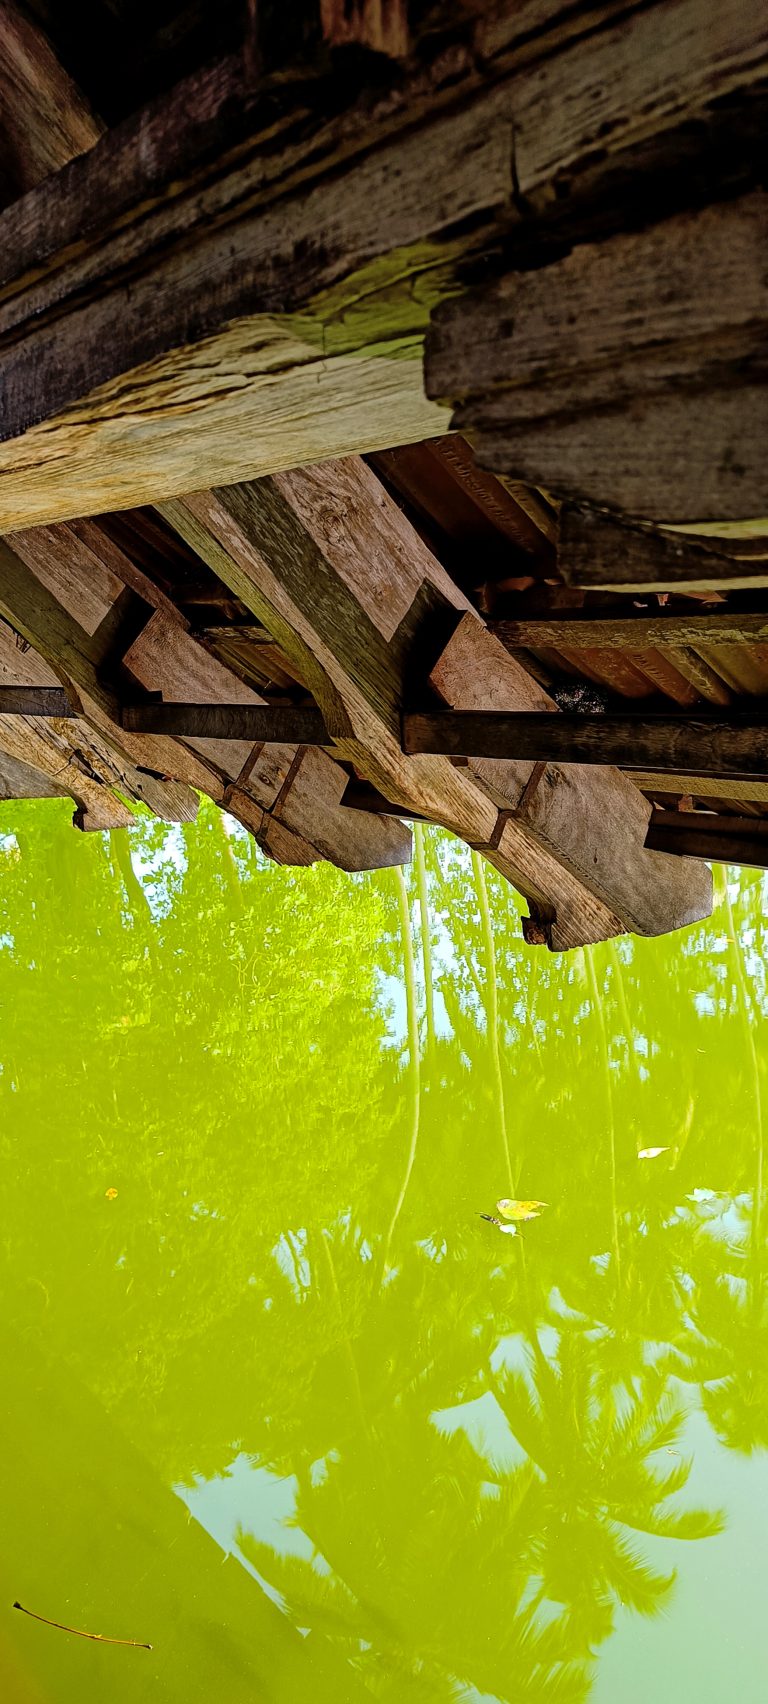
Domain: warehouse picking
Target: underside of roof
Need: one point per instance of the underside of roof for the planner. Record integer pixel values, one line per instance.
(383, 433)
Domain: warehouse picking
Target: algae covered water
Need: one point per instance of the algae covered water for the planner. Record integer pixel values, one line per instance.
(276, 1400)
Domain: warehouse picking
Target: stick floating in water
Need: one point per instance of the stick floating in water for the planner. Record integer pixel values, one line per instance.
(103, 1638)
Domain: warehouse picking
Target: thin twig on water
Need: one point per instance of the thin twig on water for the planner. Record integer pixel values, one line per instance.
(103, 1639)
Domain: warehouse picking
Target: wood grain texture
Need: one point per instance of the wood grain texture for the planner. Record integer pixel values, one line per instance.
(193, 229)
(44, 120)
(164, 656)
(34, 701)
(655, 404)
(686, 457)
(658, 741)
(381, 25)
(267, 724)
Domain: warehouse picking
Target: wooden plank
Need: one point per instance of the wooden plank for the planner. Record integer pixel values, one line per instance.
(45, 119)
(276, 725)
(656, 405)
(663, 742)
(279, 546)
(631, 630)
(379, 25)
(742, 788)
(599, 551)
(720, 839)
(34, 701)
(78, 765)
(44, 622)
(164, 656)
(174, 318)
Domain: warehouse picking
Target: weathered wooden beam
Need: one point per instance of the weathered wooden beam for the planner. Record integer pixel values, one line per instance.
(600, 551)
(35, 701)
(44, 120)
(81, 756)
(634, 630)
(364, 611)
(720, 839)
(656, 404)
(19, 780)
(663, 742)
(737, 789)
(270, 725)
(170, 316)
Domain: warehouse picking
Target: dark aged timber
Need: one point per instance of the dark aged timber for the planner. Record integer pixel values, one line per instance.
(382, 433)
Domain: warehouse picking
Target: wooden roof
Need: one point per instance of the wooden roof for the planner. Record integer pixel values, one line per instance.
(359, 464)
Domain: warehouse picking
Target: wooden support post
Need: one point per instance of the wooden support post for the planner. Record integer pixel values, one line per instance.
(656, 404)
(173, 277)
(360, 608)
(703, 746)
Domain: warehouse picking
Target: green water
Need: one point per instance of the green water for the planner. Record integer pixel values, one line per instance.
(285, 1406)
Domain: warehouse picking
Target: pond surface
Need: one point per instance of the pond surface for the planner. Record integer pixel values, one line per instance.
(276, 1399)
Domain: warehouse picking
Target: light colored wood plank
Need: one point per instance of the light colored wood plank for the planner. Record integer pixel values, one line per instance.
(633, 632)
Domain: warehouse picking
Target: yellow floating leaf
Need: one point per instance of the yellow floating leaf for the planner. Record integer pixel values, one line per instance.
(110, 1194)
(520, 1209)
(651, 1153)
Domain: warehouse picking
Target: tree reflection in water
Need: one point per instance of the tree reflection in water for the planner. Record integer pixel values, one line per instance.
(305, 1089)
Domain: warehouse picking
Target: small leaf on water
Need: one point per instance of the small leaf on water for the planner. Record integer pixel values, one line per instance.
(110, 1194)
(651, 1153)
(520, 1209)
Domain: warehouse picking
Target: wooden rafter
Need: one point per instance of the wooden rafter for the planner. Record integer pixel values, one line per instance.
(662, 741)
